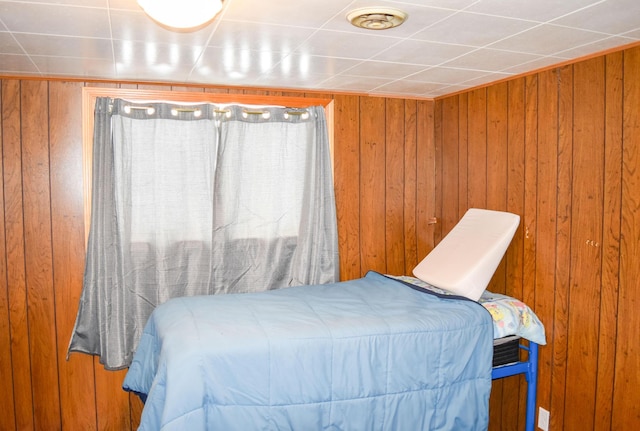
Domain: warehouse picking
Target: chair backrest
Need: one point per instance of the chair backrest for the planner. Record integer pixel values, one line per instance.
(466, 259)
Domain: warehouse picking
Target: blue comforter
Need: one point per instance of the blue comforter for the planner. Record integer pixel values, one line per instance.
(363, 355)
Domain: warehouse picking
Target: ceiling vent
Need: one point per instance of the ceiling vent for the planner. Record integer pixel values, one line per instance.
(376, 18)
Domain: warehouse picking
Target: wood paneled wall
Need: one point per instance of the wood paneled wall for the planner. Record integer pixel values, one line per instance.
(384, 181)
(560, 148)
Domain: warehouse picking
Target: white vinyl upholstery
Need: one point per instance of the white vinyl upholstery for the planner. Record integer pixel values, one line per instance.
(466, 259)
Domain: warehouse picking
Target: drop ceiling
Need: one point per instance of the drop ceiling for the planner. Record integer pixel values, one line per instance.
(445, 46)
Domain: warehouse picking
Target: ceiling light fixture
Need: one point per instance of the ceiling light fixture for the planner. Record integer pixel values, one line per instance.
(376, 18)
(182, 14)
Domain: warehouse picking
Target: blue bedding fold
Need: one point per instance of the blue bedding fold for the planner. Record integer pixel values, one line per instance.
(367, 354)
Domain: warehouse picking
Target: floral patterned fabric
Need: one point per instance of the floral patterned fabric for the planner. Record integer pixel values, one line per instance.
(510, 315)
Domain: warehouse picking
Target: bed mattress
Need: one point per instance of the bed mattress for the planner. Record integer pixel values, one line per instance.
(367, 354)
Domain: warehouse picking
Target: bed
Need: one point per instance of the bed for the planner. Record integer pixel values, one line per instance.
(517, 333)
(378, 353)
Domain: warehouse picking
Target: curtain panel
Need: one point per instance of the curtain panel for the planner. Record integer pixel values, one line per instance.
(200, 200)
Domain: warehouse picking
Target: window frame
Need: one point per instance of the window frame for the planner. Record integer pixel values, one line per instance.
(90, 94)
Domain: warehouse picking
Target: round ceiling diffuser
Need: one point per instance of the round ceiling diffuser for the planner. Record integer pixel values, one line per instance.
(376, 18)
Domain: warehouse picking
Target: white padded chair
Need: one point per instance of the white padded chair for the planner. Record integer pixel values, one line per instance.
(466, 259)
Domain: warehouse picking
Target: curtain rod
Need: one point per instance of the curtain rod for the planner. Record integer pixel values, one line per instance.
(150, 110)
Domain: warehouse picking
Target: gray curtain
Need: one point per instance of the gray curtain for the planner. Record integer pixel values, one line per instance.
(200, 200)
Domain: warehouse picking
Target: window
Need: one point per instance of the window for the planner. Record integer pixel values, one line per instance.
(238, 199)
(90, 94)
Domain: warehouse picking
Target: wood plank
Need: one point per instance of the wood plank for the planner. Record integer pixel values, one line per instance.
(547, 167)
(558, 326)
(425, 182)
(513, 387)
(347, 184)
(135, 409)
(497, 138)
(8, 419)
(610, 241)
(450, 213)
(437, 170)
(530, 186)
(477, 149)
(394, 186)
(38, 253)
(372, 185)
(528, 218)
(627, 378)
(586, 239)
(410, 195)
(496, 198)
(77, 389)
(497, 166)
(463, 154)
(515, 181)
(15, 259)
(112, 403)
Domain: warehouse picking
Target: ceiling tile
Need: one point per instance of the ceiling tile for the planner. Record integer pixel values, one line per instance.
(122, 4)
(309, 14)
(448, 90)
(140, 59)
(635, 34)
(75, 67)
(300, 82)
(599, 17)
(137, 26)
(537, 11)
(472, 29)
(87, 3)
(406, 87)
(353, 83)
(422, 52)
(234, 66)
(380, 69)
(441, 4)
(491, 60)
(447, 75)
(301, 65)
(9, 45)
(537, 64)
(547, 39)
(331, 43)
(486, 79)
(55, 19)
(65, 46)
(259, 36)
(17, 63)
(601, 45)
